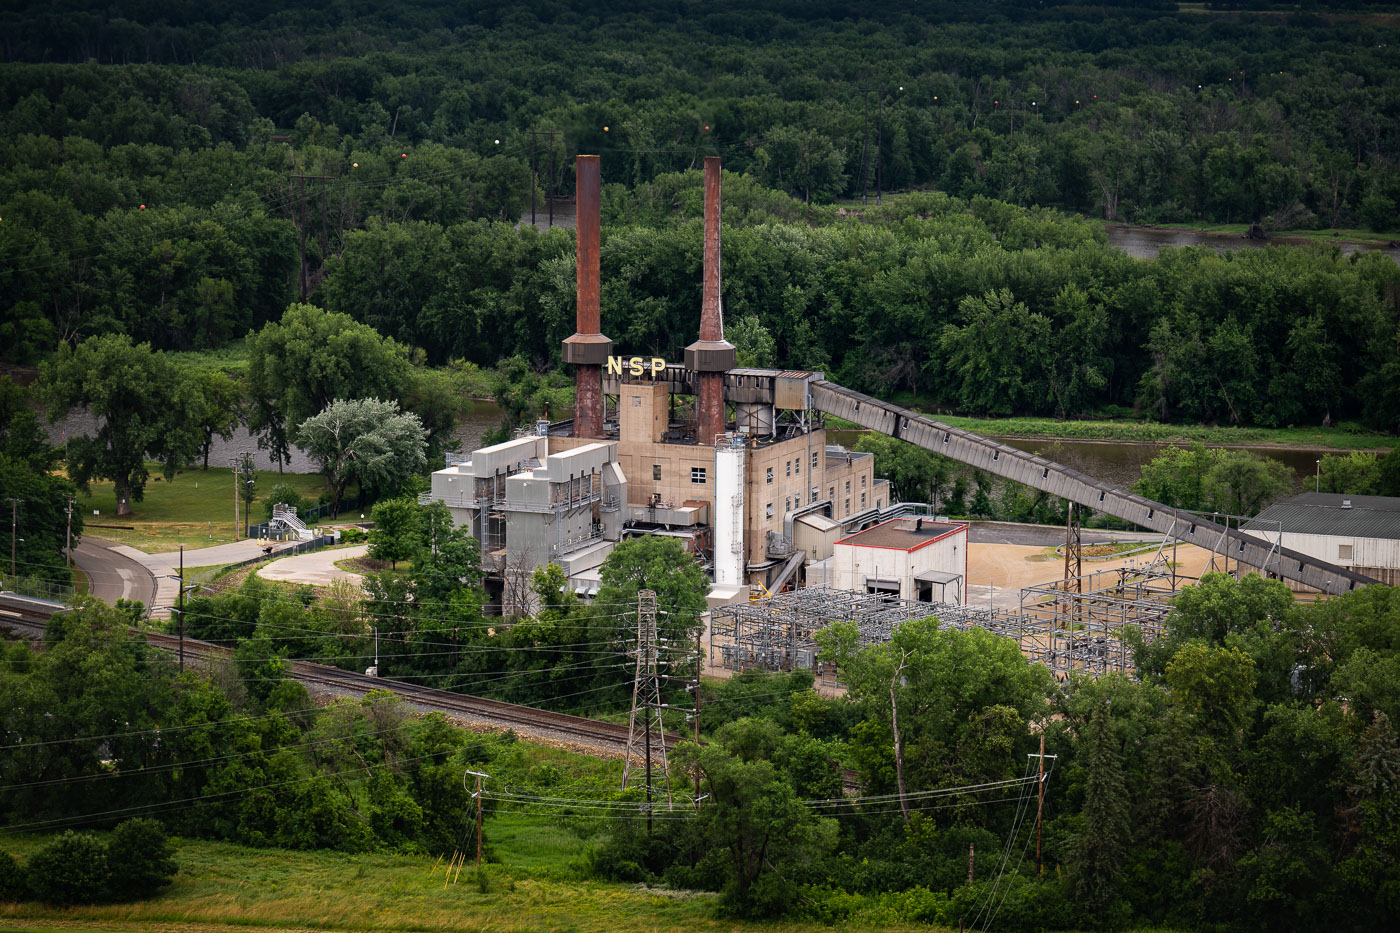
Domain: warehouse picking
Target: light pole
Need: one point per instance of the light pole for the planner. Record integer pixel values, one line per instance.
(1317, 484)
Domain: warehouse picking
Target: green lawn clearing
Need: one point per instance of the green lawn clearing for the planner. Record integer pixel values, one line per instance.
(194, 509)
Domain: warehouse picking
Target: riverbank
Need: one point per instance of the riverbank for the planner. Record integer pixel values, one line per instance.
(1370, 239)
(1125, 431)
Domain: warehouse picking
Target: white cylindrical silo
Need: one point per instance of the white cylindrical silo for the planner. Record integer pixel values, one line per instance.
(729, 510)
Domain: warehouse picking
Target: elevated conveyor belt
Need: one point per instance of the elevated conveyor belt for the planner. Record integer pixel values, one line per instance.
(1049, 476)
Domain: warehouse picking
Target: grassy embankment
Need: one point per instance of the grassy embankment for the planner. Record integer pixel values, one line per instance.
(1364, 237)
(1133, 431)
(195, 509)
(1152, 432)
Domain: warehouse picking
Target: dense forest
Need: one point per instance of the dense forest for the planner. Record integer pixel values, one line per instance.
(182, 174)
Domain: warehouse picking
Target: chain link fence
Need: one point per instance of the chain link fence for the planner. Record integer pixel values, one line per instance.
(37, 587)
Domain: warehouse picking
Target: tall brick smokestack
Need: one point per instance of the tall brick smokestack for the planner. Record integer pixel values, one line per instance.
(588, 349)
(710, 357)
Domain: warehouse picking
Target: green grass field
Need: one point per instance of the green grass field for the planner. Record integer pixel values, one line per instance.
(229, 887)
(195, 509)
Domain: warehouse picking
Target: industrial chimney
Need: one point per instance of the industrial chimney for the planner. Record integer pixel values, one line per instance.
(710, 357)
(588, 349)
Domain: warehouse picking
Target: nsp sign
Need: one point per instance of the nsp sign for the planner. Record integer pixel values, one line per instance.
(635, 365)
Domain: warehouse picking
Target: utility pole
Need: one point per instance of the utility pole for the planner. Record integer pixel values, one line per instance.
(699, 662)
(969, 864)
(233, 464)
(1040, 797)
(68, 535)
(181, 610)
(480, 796)
(14, 526)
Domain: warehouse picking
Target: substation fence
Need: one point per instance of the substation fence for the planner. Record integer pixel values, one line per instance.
(1069, 626)
(779, 632)
(1077, 625)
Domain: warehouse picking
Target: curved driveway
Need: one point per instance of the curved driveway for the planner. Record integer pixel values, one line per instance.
(317, 568)
(113, 575)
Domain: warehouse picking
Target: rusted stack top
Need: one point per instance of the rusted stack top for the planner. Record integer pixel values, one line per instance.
(711, 356)
(588, 349)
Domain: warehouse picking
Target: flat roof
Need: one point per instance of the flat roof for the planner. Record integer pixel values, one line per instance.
(903, 534)
(1325, 513)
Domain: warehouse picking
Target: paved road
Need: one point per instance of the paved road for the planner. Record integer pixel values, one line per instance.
(317, 568)
(1045, 535)
(113, 575)
(165, 568)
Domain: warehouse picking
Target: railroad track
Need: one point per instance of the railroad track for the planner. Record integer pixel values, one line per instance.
(31, 616)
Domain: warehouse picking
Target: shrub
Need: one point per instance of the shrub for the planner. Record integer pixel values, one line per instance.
(141, 859)
(70, 870)
(12, 886)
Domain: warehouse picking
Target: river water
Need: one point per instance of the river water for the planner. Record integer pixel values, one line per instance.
(478, 416)
(1120, 462)
(1146, 243)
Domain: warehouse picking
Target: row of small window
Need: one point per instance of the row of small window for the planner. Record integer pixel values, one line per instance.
(791, 467)
(697, 474)
(791, 502)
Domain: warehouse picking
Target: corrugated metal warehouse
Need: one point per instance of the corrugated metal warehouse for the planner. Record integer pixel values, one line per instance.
(1361, 533)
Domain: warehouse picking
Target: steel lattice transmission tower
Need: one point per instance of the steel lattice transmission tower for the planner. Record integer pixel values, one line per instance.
(646, 699)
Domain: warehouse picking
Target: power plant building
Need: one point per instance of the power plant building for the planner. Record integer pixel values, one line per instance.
(734, 462)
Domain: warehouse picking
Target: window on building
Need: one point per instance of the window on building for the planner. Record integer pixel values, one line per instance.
(656, 471)
(789, 467)
(768, 476)
(697, 474)
(877, 504)
(831, 493)
(1344, 552)
(814, 461)
(787, 504)
(815, 493)
(862, 500)
(848, 487)
(848, 506)
(797, 466)
(768, 510)
(862, 481)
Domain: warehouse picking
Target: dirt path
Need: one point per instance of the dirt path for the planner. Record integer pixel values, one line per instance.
(998, 572)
